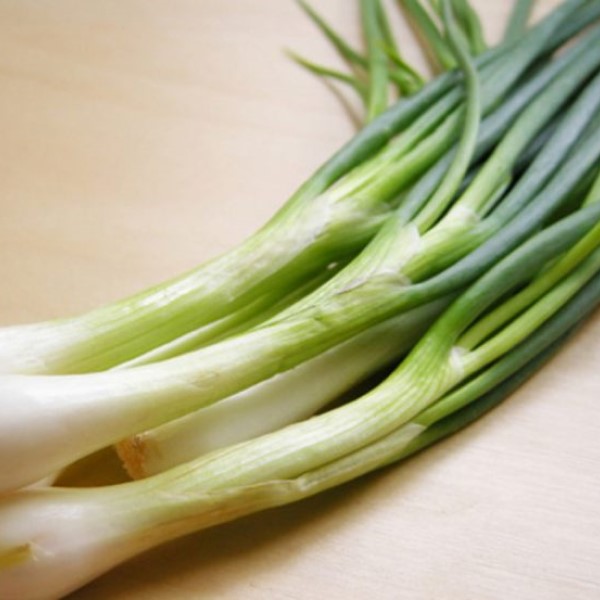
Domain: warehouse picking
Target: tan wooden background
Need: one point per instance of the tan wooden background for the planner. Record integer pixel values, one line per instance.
(139, 137)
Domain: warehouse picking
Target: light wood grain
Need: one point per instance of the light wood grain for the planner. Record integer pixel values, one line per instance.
(140, 137)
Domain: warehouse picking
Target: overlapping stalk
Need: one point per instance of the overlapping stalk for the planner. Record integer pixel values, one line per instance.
(82, 533)
(316, 227)
(184, 439)
(489, 230)
(491, 131)
(374, 288)
(256, 411)
(371, 71)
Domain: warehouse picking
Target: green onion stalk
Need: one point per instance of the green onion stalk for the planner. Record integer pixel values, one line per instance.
(202, 336)
(405, 78)
(54, 540)
(519, 16)
(471, 26)
(378, 89)
(491, 130)
(435, 41)
(286, 398)
(253, 411)
(328, 220)
(432, 39)
(263, 406)
(371, 71)
(259, 409)
(407, 265)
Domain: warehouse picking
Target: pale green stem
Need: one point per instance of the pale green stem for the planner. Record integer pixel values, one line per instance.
(323, 71)
(540, 285)
(594, 193)
(468, 141)
(531, 319)
(377, 93)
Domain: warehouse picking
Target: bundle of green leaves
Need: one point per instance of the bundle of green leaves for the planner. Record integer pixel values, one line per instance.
(453, 243)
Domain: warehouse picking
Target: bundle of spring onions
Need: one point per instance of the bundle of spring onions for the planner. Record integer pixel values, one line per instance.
(454, 241)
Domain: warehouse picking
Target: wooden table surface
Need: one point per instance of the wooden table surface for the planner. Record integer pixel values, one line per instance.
(140, 137)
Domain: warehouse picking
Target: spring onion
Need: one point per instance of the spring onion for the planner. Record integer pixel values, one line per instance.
(185, 438)
(316, 227)
(105, 407)
(229, 420)
(55, 540)
(432, 39)
(453, 244)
